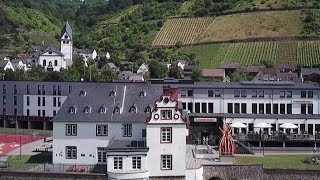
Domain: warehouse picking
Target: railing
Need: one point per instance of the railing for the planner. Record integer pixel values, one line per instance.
(277, 137)
(246, 148)
(23, 118)
(37, 132)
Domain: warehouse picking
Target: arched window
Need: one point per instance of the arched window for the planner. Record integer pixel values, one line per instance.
(148, 109)
(72, 110)
(66, 36)
(83, 93)
(142, 93)
(55, 62)
(50, 63)
(87, 109)
(133, 109)
(116, 110)
(103, 110)
(112, 93)
(44, 62)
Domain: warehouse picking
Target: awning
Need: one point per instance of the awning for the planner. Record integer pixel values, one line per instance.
(238, 125)
(289, 126)
(262, 125)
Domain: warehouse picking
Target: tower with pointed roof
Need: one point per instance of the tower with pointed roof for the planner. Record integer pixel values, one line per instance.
(66, 43)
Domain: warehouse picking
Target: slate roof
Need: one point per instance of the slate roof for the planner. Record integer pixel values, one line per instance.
(3, 63)
(253, 69)
(66, 29)
(251, 85)
(97, 95)
(230, 65)
(308, 71)
(286, 66)
(52, 48)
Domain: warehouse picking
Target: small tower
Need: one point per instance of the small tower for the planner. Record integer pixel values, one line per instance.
(66, 43)
(166, 136)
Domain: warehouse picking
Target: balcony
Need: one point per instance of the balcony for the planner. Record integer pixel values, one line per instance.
(277, 136)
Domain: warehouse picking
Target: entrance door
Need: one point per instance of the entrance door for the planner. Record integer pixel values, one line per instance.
(204, 137)
(102, 155)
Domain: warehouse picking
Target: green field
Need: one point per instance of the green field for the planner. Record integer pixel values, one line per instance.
(279, 161)
(306, 53)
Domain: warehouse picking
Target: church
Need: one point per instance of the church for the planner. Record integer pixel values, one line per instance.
(51, 57)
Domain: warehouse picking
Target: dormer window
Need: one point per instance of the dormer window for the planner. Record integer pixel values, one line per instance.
(112, 93)
(142, 93)
(102, 110)
(50, 52)
(148, 109)
(66, 36)
(116, 110)
(87, 109)
(133, 109)
(72, 110)
(83, 93)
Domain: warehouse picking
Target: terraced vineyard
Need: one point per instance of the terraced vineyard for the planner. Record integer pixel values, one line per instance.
(184, 30)
(306, 53)
(251, 53)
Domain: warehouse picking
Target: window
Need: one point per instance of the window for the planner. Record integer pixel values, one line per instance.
(166, 114)
(59, 102)
(210, 106)
(14, 100)
(166, 162)
(4, 100)
(190, 107)
(230, 108)
(261, 94)
(289, 94)
(72, 109)
(55, 63)
(243, 93)
(236, 108)
(197, 107)
(310, 108)
(54, 112)
(15, 111)
(83, 93)
(303, 109)
(43, 101)
(102, 155)
(102, 130)
(71, 152)
(15, 89)
(310, 94)
(243, 108)
(166, 135)
(44, 62)
(275, 108)
(282, 94)
(70, 89)
(142, 93)
(87, 110)
(28, 112)
(217, 93)
(4, 90)
(136, 162)
(54, 89)
(303, 94)
(28, 90)
(183, 93)
(148, 109)
(117, 163)
(71, 129)
(112, 93)
(39, 89)
(254, 94)
(210, 93)
(133, 109)
(116, 110)
(282, 108)
(144, 133)
(39, 113)
(59, 91)
(254, 108)
(204, 107)
(28, 101)
(268, 108)
(54, 101)
(289, 108)
(190, 93)
(4, 110)
(127, 130)
(236, 93)
(43, 90)
(102, 110)
(39, 101)
(261, 108)
(43, 113)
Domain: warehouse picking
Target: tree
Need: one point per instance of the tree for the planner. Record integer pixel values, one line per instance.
(174, 72)
(157, 70)
(238, 76)
(196, 74)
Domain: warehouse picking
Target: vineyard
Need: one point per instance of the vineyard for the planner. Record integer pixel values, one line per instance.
(306, 53)
(184, 30)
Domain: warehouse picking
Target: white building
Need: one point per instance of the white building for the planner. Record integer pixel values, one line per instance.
(143, 69)
(52, 58)
(88, 54)
(89, 129)
(67, 44)
(6, 64)
(18, 64)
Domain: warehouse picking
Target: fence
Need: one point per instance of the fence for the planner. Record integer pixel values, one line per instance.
(56, 168)
(37, 132)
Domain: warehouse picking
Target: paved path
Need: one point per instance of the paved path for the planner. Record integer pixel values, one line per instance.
(27, 149)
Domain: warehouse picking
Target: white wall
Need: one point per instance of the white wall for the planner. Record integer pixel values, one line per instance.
(66, 50)
(52, 58)
(127, 163)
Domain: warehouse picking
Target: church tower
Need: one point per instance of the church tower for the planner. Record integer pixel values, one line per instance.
(66, 43)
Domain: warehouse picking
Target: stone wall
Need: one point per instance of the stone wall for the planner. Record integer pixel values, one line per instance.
(49, 176)
(290, 174)
(233, 172)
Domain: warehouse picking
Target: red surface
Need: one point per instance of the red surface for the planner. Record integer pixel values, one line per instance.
(10, 142)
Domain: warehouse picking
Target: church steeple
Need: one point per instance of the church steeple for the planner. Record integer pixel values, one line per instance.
(67, 43)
